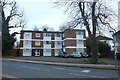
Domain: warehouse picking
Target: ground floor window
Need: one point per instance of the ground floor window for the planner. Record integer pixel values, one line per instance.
(27, 52)
(80, 50)
(57, 51)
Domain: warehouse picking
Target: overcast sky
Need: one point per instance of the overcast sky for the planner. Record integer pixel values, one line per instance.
(43, 12)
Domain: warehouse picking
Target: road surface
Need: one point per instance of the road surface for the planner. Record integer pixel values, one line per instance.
(30, 70)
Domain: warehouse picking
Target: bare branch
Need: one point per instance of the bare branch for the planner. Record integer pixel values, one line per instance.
(106, 23)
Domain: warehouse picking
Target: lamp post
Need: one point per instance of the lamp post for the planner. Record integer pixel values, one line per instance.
(114, 48)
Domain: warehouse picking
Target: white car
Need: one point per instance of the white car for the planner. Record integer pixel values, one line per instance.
(75, 55)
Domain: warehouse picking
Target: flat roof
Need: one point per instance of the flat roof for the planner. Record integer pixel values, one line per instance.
(52, 31)
(41, 31)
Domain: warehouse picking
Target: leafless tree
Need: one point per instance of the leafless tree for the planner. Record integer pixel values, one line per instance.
(93, 16)
(35, 28)
(11, 16)
(47, 28)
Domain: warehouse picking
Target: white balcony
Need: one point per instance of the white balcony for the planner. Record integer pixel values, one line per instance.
(58, 38)
(79, 43)
(79, 36)
(47, 38)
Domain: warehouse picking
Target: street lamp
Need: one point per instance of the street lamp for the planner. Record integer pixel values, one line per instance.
(114, 48)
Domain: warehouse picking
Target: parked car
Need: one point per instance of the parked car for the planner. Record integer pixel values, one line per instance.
(63, 54)
(75, 55)
(84, 54)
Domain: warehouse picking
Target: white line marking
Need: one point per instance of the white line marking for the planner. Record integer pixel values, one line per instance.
(36, 68)
(73, 70)
(86, 75)
(59, 68)
(86, 71)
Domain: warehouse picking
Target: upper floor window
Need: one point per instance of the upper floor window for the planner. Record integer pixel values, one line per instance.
(59, 43)
(27, 35)
(48, 42)
(26, 42)
(79, 32)
(37, 35)
(47, 34)
(37, 43)
(58, 35)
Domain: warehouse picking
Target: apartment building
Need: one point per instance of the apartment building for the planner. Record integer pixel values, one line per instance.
(49, 43)
(74, 40)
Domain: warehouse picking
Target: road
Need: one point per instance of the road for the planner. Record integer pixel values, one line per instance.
(30, 70)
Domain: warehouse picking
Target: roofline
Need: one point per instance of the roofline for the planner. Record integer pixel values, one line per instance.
(107, 38)
(40, 31)
(52, 31)
(74, 29)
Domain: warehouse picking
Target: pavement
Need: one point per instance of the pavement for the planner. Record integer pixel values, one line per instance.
(66, 62)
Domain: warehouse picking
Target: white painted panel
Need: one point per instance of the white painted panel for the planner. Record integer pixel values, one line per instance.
(58, 44)
(27, 44)
(27, 52)
(47, 38)
(47, 44)
(47, 52)
(80, 43)
(80, 34)
(58, 38)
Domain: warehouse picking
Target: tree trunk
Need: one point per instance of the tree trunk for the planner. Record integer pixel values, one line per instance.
(94, 51)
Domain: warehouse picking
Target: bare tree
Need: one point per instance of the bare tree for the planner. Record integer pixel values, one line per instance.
(91, 15)
(47, 28)
(10, 13)
(11, 18)
(64, 26)
(35, 28)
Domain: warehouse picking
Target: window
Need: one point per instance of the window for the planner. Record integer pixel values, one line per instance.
(26, 42)
(37, 43)
(47, 50)
(27, 50)
(47, 34)
(48, 42)
(57, 50)
(58, 35)
(79, 32)
(58, 43)
(27, 34)
(37, 35)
